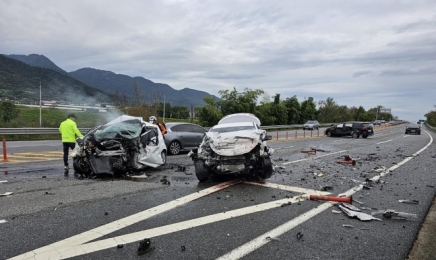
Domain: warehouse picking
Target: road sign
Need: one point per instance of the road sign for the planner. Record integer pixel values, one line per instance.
(384, 110)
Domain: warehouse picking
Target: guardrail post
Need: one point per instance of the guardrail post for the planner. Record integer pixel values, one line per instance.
(318, 132)
(295, 134)
(304, 133)
(5, 154)
(286, 135)
(311, 131)
(277, 135)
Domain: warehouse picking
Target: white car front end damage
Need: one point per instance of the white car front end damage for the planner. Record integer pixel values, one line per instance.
(234, 148)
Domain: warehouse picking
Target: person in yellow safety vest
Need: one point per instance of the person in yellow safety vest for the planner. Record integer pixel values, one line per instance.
(69, 133)
(161, 126)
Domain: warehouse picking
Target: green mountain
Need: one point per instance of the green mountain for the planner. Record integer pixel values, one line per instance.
(20, 81)
(38, 61)
(139, 88)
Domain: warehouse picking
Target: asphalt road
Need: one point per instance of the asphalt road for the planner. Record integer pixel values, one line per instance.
(50, 215)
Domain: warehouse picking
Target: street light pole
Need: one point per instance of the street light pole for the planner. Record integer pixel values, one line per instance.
(40, 115)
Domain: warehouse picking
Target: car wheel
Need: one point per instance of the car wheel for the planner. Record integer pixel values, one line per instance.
(355, 135)
(329, 133)
(405, 133)
(175, 147)
(201, 171)
(81, 166)
(266, 169)
(163, 155)
(364, 135)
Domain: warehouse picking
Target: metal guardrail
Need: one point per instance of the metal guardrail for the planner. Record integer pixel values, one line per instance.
(51, 131)
(431, 127)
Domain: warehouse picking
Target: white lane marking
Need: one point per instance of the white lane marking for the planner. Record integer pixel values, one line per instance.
(280, 148)
(289, 188)
(260, 241)
(3, 221)
(119, 224)
(3, 181)
(384, 142)
(76, 250)
(278, 231)
(405, 136)
(316, 157)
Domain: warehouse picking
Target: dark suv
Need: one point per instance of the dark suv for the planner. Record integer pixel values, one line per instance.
(353, 129)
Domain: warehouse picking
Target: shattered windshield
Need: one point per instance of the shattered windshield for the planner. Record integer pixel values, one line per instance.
(126, 129)
(232, 128)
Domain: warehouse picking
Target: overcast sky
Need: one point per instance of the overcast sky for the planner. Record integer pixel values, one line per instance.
(364, 53)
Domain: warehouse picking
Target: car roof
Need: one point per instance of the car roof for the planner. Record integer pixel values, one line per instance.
(238, 118)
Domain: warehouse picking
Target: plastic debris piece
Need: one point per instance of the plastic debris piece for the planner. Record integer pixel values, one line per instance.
(409, 201)
(3, 181)
(120, 246)
(183, 248)
(389, 213)
(349, 206)
(360, 215)
(326, 188)
(6, 194)
(357, 181)
(347, 226)
(380, 169)
(336, 211)
(299, 235)
(310, 152)
(144, 246)
(272, 238)
(347, 160)
(320, 174)
(2, 221)
(286, 204)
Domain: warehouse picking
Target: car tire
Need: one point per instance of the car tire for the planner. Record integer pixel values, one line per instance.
(405, 133)
(355, 135)
(175, 147)
(266, 168)
(202, 172)
(329, 134)
(80, 166)
(163, 155)
(365, 136)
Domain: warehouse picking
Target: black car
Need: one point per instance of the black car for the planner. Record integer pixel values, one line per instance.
(353, 129)
(413, 129)
(183, 136)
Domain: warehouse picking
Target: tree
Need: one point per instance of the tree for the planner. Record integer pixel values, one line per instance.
(293, 110)
(234, 102)
(209, 115)
(308, 110)
(8, 111)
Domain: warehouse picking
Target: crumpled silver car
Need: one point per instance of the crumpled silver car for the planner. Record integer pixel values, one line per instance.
(236, 145)
(125, 144)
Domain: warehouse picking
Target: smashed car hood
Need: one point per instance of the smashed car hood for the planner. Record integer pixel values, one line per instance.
(233, 143)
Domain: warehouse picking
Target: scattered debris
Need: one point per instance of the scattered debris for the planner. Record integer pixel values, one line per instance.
(120, 246)
(360, 215)
(144, 246)
(181, 168)
(357, 181)
(183, 248)
(6, 194)
(285, 204)
(320, 150)
(272, 238)
(299, 235)
(320, 174)
(347, 226)
(49, 193)
(351, 207)
(330, 198)
(380, 169)
(279, 167)
(409, 201)
(309, 152)
(106, 213)
(3, 181)
(326, 188)
(44, 177)
(389, 213)
(431, 186)
(2, 221)
(164, 181)
(347, 160)
(336, 211)
(358, 202)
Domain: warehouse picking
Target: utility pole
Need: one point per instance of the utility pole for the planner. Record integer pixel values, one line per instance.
(40, 114)
(163, 120)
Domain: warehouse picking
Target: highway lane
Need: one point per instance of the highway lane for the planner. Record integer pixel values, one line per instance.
(235, 220)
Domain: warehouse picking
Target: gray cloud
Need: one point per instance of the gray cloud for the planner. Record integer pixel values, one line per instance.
(360, 53)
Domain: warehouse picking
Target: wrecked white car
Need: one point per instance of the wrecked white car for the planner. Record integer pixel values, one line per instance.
(125, 144)
(236, 145)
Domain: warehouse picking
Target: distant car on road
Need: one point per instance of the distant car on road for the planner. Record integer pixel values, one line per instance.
(413, 129)
(377, 122)
(311, 124)
(182, 136)
(353, 129)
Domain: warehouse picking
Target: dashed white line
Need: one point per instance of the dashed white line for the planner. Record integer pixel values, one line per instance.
(384, 142)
